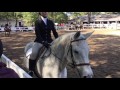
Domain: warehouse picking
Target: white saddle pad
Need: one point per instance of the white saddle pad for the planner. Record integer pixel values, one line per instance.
(29, 52)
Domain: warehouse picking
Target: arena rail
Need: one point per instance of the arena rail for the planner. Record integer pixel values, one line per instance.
(15, 67)
(19, 29)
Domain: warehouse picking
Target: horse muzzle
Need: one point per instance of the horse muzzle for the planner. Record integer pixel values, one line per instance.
(85, 72)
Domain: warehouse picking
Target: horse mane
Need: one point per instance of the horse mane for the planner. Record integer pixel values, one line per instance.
(62, 43)
(59, 48)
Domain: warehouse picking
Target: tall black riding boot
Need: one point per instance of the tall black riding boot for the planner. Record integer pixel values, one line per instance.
(31, 66)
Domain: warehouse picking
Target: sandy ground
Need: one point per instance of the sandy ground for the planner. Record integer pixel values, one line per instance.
(104, 51)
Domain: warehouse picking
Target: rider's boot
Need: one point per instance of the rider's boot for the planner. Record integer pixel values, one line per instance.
(31, 67)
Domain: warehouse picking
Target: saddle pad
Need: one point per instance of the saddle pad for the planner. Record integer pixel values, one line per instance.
(29, 52)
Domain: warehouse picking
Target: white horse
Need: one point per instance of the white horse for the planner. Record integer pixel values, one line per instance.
(71, 48)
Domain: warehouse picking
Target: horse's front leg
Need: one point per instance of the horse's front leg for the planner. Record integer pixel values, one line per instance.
(5, 34)
(63, 73)
(50, 69)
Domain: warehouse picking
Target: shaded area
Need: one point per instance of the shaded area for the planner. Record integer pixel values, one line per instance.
(104, 52)
(104, 56)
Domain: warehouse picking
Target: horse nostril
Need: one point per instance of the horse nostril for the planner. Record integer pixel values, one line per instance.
(85, 77)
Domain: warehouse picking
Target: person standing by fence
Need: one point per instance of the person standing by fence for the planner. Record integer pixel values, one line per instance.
(4, 71)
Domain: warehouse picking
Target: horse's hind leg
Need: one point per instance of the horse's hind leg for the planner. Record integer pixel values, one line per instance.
(5, 33)
(9, 34)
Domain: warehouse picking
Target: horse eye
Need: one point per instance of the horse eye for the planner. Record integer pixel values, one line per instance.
(76, 52)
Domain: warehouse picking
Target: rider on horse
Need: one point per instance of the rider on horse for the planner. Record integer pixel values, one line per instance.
(43, 28)
(6, 27)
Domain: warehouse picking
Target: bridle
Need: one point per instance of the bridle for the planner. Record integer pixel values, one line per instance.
(73, 64)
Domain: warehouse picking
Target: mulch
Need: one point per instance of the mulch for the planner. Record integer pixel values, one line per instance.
(104, 51)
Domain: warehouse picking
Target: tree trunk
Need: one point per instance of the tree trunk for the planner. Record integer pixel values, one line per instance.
(15, 17)
(16, 22)
(53, 16)
(7, 20)
(89, 17)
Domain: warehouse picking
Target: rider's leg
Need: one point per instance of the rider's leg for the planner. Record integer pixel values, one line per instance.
(35, 50)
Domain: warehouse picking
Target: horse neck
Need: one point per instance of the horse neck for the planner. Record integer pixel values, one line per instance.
(60, 49)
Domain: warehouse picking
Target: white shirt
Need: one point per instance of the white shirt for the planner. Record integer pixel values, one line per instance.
(44, 19)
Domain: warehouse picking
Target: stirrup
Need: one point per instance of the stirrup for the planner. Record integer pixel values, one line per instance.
(31, 73)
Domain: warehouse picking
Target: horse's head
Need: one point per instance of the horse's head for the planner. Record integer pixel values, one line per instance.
(78, 54)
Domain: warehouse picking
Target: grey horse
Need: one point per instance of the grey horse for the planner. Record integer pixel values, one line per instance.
(69, 49)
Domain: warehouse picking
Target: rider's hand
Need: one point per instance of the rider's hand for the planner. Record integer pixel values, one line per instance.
(46, 44)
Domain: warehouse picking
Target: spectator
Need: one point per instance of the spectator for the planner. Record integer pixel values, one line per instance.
(4, 71)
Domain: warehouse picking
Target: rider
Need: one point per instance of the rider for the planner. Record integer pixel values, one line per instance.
(43, 28)
(7, 26)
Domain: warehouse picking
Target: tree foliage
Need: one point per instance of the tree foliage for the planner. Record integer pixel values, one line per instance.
(58, 17)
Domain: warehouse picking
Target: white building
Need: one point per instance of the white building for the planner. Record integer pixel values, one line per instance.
(109, 21)
(10, 22)
(104, 19)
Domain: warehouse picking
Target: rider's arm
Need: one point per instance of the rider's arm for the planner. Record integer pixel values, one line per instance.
(54, 30)
(37, 31)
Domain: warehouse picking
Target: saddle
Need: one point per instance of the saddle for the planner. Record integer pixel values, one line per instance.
(41, 53)
(7, 29)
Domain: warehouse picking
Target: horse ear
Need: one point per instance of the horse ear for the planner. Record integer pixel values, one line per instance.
(77, 34)
(88, 35)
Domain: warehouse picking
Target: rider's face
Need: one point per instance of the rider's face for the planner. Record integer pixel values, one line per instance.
(44, 14)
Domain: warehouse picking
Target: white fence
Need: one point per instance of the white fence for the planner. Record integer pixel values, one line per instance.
(16, 68)
(100, 26)
(14, 29)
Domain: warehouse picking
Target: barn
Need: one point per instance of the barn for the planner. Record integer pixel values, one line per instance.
(106, 21)
(11, 22)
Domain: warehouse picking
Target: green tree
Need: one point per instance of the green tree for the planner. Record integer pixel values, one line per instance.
(58, 17)
(16, 16)
(6, 15)
(29, 17)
